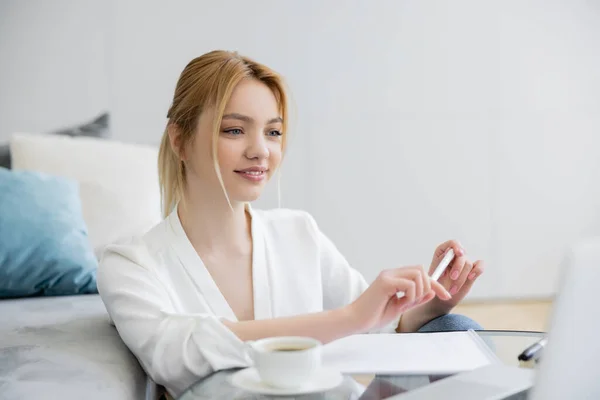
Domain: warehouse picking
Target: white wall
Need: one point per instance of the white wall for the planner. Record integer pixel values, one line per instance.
(53, 70)
(416, 121)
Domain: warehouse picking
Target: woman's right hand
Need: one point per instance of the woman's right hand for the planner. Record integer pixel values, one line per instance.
(379, 304)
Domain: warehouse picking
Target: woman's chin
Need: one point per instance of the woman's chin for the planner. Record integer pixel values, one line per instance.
(247, 196)
(244, 191)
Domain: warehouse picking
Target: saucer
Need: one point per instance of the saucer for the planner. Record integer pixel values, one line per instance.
(248, 379)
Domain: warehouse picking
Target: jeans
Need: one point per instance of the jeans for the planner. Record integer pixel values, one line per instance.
(450, 322)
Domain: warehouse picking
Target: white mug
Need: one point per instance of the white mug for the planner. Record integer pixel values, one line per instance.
(286, 362)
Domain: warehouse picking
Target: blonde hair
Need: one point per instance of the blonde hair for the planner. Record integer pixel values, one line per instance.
(207, 82)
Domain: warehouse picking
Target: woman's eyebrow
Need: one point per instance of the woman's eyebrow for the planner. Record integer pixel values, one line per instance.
(274, 120)
(246, 118)
(240, 117)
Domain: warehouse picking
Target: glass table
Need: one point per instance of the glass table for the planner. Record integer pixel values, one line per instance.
(507, 345)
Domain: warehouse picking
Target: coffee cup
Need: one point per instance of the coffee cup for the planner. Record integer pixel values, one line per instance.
(286, 362)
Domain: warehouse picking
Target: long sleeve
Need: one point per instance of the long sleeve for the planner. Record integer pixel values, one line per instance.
(175, 349)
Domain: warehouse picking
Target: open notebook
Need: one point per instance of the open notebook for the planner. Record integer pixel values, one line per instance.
(408, 353)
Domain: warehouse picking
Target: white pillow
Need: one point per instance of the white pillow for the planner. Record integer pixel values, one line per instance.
(118, 181)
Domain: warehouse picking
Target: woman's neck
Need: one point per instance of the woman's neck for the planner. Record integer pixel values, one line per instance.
(213, 226)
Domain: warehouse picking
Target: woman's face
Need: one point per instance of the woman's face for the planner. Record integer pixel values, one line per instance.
(249, 144)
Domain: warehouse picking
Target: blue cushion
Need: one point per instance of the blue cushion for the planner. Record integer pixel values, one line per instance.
(44, 247)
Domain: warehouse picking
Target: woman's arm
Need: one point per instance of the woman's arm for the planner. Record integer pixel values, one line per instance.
(376, 307)
(342, 284)
(325, 326)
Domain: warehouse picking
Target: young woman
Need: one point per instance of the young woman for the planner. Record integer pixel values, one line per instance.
(216, 272)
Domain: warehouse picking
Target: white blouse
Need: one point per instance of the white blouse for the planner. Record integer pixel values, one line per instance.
(168, 309)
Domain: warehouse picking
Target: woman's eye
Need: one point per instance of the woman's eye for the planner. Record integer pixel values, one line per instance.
(275, 133)
(234, 131)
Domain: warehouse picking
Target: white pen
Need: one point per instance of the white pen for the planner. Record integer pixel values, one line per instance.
(439, 270)
(443, 265)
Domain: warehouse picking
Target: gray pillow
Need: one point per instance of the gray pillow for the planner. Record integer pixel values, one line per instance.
(99, 127)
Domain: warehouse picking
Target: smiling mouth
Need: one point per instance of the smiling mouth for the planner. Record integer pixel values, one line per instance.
(253, 173)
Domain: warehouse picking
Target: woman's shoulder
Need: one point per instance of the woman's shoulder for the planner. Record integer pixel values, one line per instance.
(139, 249)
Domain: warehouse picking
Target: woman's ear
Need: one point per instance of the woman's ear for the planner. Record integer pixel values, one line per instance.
(175, 140)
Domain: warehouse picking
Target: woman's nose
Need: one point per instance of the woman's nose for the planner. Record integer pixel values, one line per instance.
(257, 148)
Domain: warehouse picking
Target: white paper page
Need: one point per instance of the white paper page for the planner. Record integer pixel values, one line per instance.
(413, 353)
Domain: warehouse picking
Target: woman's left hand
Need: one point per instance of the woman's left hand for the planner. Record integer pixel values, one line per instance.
(458, 278)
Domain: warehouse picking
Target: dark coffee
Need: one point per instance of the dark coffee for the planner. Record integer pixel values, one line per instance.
(289, 348)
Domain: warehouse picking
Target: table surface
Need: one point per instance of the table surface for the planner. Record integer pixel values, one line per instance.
(507, 345)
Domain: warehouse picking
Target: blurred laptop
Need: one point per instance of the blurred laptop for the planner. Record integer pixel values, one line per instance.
(569, 363)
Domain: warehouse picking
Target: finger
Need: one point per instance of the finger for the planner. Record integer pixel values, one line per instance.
(408, 286)
(422, 282)
(426, 281)
(454, 244)
(440, 291)
(419, 286)
(400, 305)
(458, 283)
(478, 267)
(469, 283)
(457, 267)
(415, 274)
(437, 261)
(428, 297)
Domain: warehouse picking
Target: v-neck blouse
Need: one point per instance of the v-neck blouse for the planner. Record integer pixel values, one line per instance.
(168, 310)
